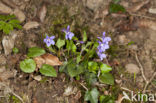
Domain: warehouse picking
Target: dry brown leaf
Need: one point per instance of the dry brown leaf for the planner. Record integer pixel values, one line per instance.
(39, 61)
(51, 60)
(138, 5)
(30, 25)
(119, 99)
(42, 13)
(47, 59)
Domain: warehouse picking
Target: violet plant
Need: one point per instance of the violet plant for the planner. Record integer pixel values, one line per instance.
(79, 59)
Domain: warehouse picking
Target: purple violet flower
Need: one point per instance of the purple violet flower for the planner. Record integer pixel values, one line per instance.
(101, 55)
(49, 40)
(69, 34)
(103, 46)
(81, 42)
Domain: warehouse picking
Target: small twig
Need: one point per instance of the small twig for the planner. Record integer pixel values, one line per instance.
(17, 96)
(84, 86)
(147, 17)
(141, 68)
(143, 75)
(10, 91)
(126, 89)
(100, 85)
(144, 90)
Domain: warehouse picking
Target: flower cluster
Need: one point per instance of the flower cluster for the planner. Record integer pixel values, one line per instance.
(69, 35)
(49, 40)
(103, 46)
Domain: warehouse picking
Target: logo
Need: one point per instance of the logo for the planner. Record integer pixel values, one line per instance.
(138, 97)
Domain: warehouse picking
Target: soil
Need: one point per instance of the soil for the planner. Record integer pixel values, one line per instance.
(135, 26)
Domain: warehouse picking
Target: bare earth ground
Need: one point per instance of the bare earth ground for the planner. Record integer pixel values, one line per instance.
(136, 26)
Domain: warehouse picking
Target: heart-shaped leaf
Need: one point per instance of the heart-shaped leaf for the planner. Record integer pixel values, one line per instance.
(107, 78)
(92, 95)
(105, 68)
(35, 51)
(28, 65)
(74, 70)
(48, 70)
(92, 66)
(60, 43)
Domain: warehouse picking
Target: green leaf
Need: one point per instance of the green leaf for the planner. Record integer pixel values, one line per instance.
(35, 51)
(74, 69)
(107, 78)
(7, 28)
(75, 38)
(2, 24)
(60, 43)
(15, 23)
(78, 59)
(131, 42)
(107, 99)
(62, 68)
(74, 48)
(84, 36)
(90, 78)
(105, 68)
(92, 66)
(93, 51)
(48, 70)
(69, 44)
(15, 50)
(115, 8)
(92, 95)
(8, 23)
(28, 65)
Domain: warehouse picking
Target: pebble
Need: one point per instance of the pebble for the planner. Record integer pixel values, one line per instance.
(132, 68)
(30, 25)
(38, 78)
(2, 60)
(122, 39)
(8, 42)
(94, 4)
(5, 9)
(19, 14)
(2, 69)
(70, 90)
(152, 10)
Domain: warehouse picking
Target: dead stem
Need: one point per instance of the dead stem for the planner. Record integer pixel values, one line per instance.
(143, 75)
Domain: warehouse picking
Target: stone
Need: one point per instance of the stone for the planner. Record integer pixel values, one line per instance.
(132, 68)
(95, 4)
(38, 78)
(31, 24)
(122, 39)
(2, 69)
(2, 60)
(152, 10)
(5, 9)
(70, 90)
(8, 42)
(19, 14)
